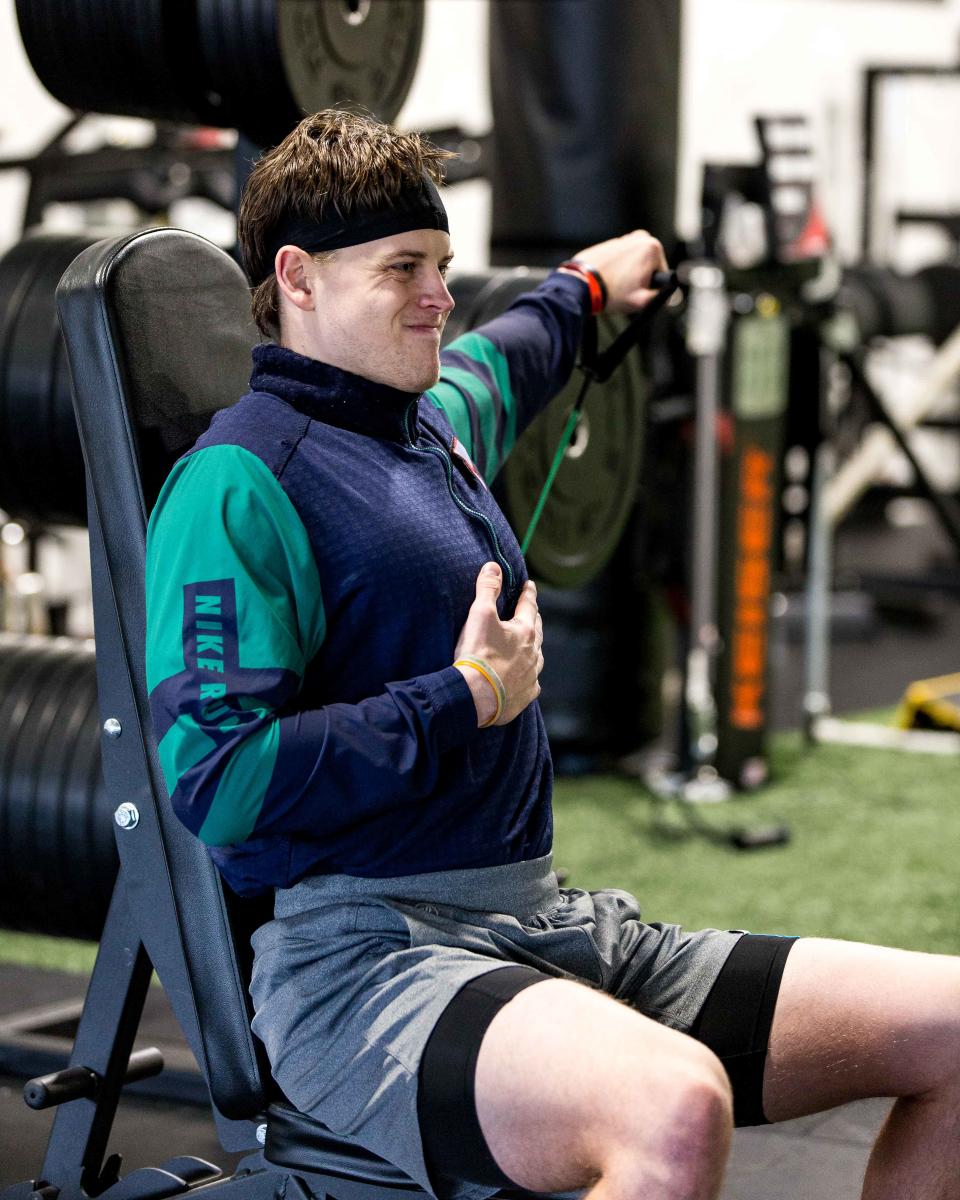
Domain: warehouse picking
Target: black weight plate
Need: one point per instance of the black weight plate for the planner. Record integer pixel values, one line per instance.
(243, 67)
(31, 825)
(21, 275)
(66, 496)
(170, 61)
(82, 730)
(15, 703)
(63, 496)
(595, 488)
(28, 384)
(338, 52)
(44, 26)
(184, 58)
(15, 657)
(66, 703)
(95, 55)
(95, 70)
(27, 414)
(145, 63)
(146, 80)
(98, 823)
(85, 814)
(246, 69)
(117, 68)
(87, 811)
(267, 123)
(208, 42)
(108, 74)
(15, 282)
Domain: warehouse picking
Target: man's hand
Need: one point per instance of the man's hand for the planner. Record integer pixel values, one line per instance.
(626, 264)
(512, 648)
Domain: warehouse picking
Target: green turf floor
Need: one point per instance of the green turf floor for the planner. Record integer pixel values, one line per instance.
(873, 854)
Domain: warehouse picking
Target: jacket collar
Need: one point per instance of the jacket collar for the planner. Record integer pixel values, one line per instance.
(335, 397)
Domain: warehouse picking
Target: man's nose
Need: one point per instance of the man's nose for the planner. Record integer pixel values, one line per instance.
(436, 294)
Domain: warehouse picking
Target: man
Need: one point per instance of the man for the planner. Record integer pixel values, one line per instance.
(343, 659)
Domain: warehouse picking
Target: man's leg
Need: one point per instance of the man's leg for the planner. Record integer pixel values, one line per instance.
(855, 1021)
(574, 1089)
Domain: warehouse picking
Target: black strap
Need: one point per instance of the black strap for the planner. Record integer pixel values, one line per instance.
(453, 1143)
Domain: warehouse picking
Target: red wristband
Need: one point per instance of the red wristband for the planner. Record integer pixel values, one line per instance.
(594, 281)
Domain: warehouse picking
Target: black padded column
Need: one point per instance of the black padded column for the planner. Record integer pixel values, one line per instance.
(586, 120)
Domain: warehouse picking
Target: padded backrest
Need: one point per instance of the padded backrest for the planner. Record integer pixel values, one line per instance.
(158, 334)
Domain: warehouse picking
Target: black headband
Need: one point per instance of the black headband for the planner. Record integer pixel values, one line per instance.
(417, 207)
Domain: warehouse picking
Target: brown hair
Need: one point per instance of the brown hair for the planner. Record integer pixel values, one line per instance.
(333, 160)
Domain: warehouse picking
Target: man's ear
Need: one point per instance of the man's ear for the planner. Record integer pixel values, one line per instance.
(294, 268)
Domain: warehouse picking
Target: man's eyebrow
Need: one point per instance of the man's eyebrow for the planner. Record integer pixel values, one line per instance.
(418, 254)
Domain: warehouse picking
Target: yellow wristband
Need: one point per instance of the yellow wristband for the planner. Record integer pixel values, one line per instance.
(493, 679)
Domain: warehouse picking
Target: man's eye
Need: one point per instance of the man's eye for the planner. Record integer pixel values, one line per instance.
(444, 269)
(405, 267)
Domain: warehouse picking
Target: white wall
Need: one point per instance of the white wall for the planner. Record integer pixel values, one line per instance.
(742, 57)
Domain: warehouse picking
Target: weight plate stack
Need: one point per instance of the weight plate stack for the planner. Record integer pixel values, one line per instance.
(269, 62)
(97, 56)
(58, 857)
(41, 464)
(358, 52)
(244, 69)
(595, 488)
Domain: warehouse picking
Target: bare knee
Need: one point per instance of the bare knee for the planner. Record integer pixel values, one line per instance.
(686, 1154)
(572, 1088)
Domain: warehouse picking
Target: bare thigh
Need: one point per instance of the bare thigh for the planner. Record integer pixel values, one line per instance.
(854, 1021)
(571, 1085)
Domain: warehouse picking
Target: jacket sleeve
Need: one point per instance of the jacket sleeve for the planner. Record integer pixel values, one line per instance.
(234, 614)
(495, 379)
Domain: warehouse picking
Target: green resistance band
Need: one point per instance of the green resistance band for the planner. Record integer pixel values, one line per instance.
(568, 430)
(600, 367)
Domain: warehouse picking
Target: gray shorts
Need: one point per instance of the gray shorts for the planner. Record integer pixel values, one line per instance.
(353, 974)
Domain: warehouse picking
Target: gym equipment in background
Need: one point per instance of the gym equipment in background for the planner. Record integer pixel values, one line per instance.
(178, 163)
(253, 65)
(744, 289)
(886, 107)
(931, 704)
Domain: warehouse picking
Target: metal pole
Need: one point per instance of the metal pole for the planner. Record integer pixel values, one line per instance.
(706, 331)
(816, 663)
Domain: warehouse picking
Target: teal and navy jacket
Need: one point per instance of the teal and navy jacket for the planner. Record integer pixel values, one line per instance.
(310, 564)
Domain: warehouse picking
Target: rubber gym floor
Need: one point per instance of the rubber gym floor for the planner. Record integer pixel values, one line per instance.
(820, 1157)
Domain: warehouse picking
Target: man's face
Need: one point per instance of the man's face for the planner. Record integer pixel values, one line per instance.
(380, 308)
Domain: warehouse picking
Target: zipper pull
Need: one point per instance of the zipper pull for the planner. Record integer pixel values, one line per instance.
(464, 464)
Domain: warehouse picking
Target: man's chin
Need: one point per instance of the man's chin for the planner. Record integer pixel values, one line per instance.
(407, 377)
(419, 381)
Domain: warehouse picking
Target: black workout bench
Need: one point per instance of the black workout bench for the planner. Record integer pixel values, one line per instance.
(158, 334)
